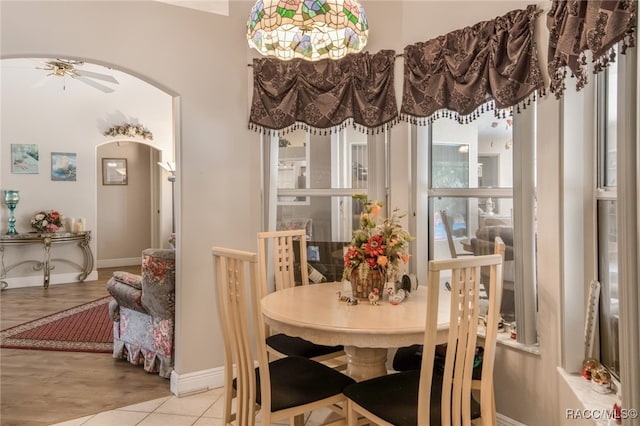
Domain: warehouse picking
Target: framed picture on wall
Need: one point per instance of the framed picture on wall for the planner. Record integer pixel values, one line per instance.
(24, 158)
(63, 166)
(114, 171)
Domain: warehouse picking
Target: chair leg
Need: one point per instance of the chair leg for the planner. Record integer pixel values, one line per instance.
(352, 418)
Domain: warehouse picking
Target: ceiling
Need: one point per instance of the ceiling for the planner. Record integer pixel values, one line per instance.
(220, 7)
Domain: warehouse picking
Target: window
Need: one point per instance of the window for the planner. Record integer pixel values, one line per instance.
(470, 196)
(606, 213)
(313, 182)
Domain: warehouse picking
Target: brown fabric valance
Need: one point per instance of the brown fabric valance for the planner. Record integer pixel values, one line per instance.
(577, 26)
(492, 62)
(328, 94)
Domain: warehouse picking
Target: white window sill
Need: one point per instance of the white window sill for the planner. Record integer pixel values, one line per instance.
(601, 405)
(504, 339)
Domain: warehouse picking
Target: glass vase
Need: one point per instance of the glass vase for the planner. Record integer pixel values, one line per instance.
(11, 198)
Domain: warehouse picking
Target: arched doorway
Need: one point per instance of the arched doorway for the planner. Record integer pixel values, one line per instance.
(130, 209)
(63, 114)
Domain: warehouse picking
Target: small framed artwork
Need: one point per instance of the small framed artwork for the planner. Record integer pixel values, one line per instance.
(114, 171)
(63, 166)
(24, 158)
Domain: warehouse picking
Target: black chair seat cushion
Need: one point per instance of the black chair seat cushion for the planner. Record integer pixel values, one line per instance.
(394, 398)
(297, 381)
(296, 346)
(410, 358)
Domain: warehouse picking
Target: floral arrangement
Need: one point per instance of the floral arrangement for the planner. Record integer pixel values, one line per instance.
(132, 130)
(380, 244)
(47, 221)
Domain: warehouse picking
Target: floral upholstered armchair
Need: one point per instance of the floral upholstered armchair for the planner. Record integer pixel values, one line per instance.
(143, 312)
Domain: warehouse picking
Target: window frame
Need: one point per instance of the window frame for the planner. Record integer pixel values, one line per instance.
(377, 177)
(603, 193)
(524, 177)
(628, 218)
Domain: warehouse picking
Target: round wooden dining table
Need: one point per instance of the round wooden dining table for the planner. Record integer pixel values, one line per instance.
(315, 312)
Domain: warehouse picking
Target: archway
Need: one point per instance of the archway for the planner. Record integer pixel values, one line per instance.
(71, 117)
(130, 213)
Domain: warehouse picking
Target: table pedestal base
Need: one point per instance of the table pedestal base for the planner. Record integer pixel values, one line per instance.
(365, 363)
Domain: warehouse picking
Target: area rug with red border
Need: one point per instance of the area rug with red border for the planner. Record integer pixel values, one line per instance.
(83, 328)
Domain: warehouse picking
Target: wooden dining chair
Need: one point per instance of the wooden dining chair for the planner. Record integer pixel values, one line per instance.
(428, 396)
(281, 246)
(286, 388)
(449, 231)
(410, 357)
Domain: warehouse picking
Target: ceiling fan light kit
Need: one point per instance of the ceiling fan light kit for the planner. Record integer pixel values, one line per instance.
(67, 68)
(307, 29)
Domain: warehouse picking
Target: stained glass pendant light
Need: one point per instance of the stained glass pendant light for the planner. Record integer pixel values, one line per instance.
(307, 29)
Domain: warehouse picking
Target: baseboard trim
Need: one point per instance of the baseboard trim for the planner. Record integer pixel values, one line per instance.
(507, 421)
(114, 263)
(196, 382)
(38, 280)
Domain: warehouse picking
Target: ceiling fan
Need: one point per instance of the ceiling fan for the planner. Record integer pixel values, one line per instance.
(67, 68)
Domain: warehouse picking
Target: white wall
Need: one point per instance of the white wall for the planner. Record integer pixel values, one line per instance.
(203, 59)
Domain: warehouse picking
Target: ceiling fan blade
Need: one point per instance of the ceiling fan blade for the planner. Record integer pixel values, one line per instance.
(103, 77)
(94, 84)
(40, 82)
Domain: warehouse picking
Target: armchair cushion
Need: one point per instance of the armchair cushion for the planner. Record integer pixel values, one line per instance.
(489, 233)
(485, 240)
(128, 278)
(125, 295)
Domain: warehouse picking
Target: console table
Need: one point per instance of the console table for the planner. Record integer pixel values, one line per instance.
(47, 240)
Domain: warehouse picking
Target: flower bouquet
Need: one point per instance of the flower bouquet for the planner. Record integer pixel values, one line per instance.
(47, 221)
(378, 250)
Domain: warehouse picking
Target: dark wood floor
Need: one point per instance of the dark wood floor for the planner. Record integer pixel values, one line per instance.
(45, 387)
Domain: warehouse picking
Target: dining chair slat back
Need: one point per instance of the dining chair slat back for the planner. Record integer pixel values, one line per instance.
(280, 247)
(442, 394)
(463, 331)
(230, 267)
(286, 388)
(280, 244)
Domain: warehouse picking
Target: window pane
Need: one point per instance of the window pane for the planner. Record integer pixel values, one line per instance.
(329, 222)
(461, 228)
(321, 162)
(293, 161)
(610, 136)
(338, 161)
(474, 155)
(332, 163)
(608, 277)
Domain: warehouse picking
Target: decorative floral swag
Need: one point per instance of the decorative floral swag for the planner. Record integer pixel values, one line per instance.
(130, 130)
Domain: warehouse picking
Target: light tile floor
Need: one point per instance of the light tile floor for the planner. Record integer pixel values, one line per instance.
(202, 409)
